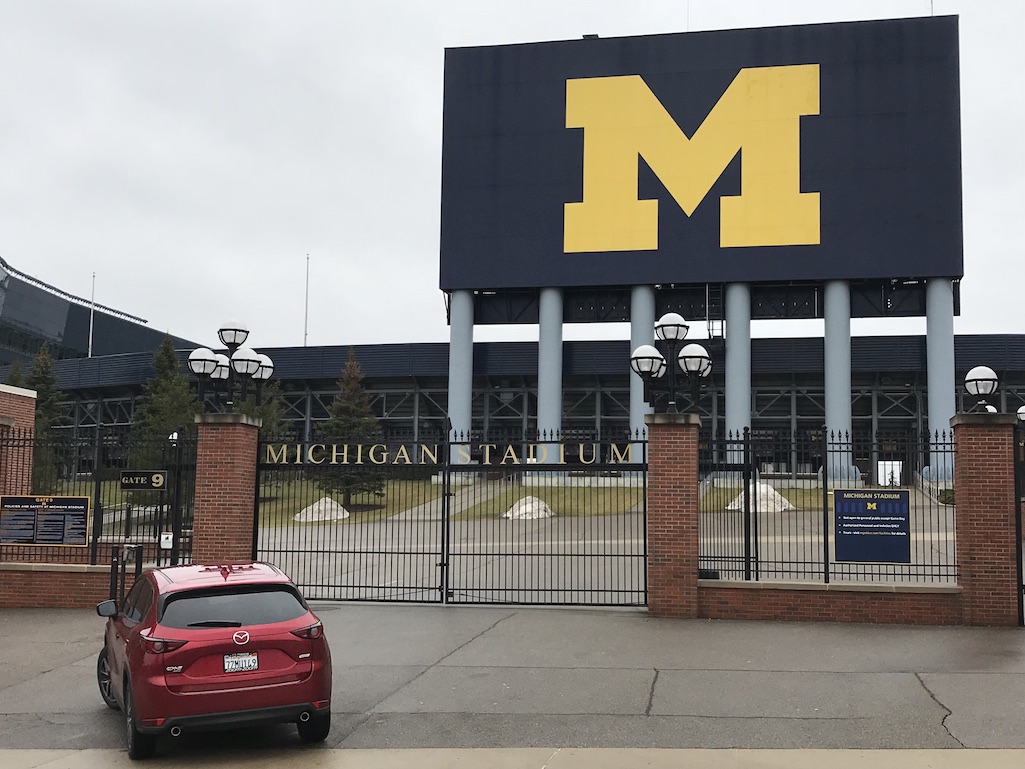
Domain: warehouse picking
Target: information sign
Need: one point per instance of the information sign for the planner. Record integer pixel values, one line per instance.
(873, 526)
(43, 520)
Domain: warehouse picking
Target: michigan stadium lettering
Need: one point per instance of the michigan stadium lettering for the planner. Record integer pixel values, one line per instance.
(434, 453)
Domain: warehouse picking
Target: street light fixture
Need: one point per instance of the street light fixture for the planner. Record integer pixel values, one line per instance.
(241, 364)
(649, 363)
(981, 382)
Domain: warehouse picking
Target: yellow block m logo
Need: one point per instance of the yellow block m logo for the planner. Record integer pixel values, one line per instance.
(759, 113)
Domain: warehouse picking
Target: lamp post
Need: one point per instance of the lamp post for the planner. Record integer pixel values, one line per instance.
(240, 365)
(651, 365)
(981, 382)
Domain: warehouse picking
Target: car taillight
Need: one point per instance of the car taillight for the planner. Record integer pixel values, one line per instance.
(161, 645)
(310, 632)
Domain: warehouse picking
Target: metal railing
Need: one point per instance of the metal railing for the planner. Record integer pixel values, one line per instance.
(482, 519)
(828, 508)
(56, 464)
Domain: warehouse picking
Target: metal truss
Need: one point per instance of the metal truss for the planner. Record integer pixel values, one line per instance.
(880, 404)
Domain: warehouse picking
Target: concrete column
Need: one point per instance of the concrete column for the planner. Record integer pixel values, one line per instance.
(460, 362)
(837, 363)
(549, 369)
(642, 331)
(939, 350)
(837, 371)
(225, 488)
(672, 518)
(738, 359)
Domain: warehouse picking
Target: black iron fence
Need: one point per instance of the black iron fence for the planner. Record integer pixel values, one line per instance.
(508, 519)
(478, 520)
(152, 507)
(828, 508)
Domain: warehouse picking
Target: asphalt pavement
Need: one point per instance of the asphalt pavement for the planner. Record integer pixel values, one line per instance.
(434, 686)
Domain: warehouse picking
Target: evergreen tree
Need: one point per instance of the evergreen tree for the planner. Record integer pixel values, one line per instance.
(271, 411)
(168, 405)
(50, 411)
(351, 421)
(168, 402)
(15, 376)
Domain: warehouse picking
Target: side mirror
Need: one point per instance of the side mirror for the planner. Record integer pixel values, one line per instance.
(107, 608)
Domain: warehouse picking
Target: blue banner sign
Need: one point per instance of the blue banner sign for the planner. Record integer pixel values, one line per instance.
(873, 526)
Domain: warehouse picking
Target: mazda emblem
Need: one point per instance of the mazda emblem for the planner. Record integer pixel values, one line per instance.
(241, 637)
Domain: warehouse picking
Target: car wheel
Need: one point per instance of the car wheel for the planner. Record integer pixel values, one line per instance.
(139, 745)
(314, 730)
(103, 679)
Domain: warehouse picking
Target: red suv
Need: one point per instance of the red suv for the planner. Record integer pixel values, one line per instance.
(214, 647)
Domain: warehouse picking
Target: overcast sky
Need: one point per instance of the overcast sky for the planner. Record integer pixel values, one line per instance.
(192, 154)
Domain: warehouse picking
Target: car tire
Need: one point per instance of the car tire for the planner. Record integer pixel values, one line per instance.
(316, 729)
(103, 680)
(139, 745)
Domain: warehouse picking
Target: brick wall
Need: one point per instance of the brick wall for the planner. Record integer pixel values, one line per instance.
(832, 603)
(985, 522)
(17, 422)
(59, 586)
(673, 514)
(225, 488)
(19, 406)
(987, 592)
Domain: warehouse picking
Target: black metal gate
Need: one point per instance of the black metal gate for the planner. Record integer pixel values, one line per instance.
(474, 521)
(767, 507)
(156, 516)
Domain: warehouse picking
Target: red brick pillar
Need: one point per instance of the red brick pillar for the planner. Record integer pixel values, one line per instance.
(222, 529)
(673, 514)
(17, 424)
(985, 517)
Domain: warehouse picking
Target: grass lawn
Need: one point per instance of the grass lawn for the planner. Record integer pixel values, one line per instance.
(110, 491)
(567, 501)
(279, 503)
(717, 498)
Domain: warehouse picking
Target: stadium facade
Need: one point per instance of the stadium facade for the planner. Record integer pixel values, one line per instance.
(807, 172)
(408, 383)
(34, 313)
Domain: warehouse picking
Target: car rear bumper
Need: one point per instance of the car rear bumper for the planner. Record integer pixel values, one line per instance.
(229, 720)
(157, 708)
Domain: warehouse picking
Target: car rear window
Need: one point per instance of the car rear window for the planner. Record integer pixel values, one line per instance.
(231, 607)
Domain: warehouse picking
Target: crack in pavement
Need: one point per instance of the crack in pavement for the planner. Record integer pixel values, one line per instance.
(367, 714)
(651, 693)
(947, 711)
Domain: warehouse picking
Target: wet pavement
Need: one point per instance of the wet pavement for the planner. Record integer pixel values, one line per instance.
(510, 686)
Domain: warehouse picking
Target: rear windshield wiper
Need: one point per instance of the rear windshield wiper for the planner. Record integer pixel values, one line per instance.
(216, 623)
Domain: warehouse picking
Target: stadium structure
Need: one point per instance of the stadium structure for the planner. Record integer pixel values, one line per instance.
(813, 172)
(408, 387)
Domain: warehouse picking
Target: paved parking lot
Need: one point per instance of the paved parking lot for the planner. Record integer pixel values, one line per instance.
(534, 687)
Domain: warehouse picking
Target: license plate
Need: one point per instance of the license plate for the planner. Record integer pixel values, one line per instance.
(241, 662)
